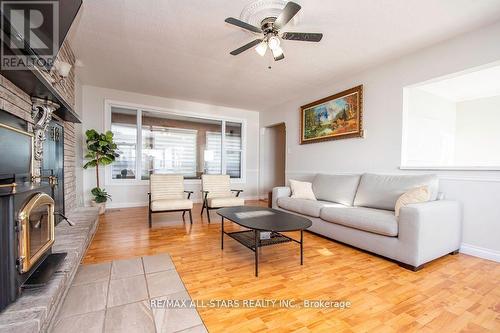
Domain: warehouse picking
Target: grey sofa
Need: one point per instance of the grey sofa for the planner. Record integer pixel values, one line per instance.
(359, 210)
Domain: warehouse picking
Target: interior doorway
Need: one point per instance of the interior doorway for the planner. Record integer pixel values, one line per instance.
(273, 160)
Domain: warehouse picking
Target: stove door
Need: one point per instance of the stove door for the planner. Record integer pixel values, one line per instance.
(36, 232)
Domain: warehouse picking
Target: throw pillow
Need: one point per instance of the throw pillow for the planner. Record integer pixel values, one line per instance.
(415, 195)
(301, 190)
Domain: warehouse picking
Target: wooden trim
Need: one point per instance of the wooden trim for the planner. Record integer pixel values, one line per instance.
(359, 133)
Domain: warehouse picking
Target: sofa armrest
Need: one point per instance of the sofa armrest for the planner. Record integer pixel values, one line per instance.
(429, 230)
(279, 192)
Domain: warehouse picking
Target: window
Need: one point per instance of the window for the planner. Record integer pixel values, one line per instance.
(453, 122)
(171, 143)
(233, 149)
(123, 125)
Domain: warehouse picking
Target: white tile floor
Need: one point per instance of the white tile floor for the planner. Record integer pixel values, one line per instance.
(116, 297)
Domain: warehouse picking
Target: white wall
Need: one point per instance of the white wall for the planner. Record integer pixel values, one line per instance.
(429, 138)
(478, 132)
(136, 195)
(380, 151)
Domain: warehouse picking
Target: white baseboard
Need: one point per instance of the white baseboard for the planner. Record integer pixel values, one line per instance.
(480, 252)
(126, 204)
(145, 203)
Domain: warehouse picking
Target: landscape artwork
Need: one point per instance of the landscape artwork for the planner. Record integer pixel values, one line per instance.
(335, 117)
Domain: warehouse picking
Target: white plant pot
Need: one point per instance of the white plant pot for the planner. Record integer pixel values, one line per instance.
(100, 205)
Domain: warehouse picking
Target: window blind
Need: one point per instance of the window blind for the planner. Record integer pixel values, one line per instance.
(125, 139)
(214, 144)
(233, 155)
(169, 150)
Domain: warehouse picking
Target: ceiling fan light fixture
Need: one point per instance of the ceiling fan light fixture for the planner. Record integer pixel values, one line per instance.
(269, 30)
(273, 42)
(261, 48)
(277, 52)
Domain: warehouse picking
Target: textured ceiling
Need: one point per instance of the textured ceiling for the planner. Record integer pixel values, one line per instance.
(180, 49)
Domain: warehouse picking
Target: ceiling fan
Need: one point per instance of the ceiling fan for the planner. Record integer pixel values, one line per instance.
(270, 27)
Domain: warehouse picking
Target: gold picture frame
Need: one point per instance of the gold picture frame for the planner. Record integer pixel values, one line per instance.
(335, 117)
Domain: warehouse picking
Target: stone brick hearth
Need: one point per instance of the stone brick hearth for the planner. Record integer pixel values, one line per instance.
(36, 308)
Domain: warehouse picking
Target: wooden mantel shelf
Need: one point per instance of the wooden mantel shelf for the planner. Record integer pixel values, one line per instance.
(34, 84)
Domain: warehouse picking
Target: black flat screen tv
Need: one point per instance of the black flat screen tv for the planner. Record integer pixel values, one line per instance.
(16, 151)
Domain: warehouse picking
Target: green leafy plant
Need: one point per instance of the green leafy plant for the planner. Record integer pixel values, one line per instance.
(101, 150)
(100, 195)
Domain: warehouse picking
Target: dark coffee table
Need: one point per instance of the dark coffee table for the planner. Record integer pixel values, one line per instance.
(259, 219)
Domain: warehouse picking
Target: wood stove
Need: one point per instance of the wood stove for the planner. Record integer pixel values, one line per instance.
(27, 214)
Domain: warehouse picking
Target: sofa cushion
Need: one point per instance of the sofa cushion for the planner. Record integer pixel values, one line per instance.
(336, 188)
(301, 190)
(377, 221)
(304, 206)
(415, 195)
(382, 191)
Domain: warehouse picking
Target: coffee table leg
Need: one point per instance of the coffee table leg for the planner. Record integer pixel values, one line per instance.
(257, 236)
(222, 234)
(301, 247)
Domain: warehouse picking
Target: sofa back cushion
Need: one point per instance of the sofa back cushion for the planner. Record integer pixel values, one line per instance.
(336, 188)
(382, 191)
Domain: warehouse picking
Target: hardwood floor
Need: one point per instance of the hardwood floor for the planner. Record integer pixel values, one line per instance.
(456, 293)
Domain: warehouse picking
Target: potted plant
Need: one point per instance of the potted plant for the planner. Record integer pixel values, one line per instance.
(100, 198)
(101, 150)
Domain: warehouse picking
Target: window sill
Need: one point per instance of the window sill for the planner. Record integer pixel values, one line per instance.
(131, 182)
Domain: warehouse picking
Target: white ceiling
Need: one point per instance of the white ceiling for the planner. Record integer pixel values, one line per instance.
(180, 48)
(468, 86)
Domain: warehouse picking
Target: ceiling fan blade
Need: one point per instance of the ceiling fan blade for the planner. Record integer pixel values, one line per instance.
(278, 54)
(302, 36)
(286, 15)
(246, 47)
(241, 24)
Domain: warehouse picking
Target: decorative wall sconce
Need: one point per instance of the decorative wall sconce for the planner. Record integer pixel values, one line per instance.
(61, 71)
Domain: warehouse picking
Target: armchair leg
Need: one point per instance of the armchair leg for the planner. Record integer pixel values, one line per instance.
(208, 214)
(183, 213)
(149, 218)
(202, 208)
(190, 217)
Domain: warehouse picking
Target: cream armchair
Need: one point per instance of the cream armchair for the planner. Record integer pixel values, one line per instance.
(167, 195)
(217, 193)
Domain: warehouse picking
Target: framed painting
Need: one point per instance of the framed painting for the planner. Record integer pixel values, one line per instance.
(339, 116)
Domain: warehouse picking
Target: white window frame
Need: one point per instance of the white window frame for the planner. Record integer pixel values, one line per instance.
(109, 103)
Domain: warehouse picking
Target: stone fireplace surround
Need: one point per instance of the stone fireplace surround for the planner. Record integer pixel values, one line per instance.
(34, 310)
(19, 103)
